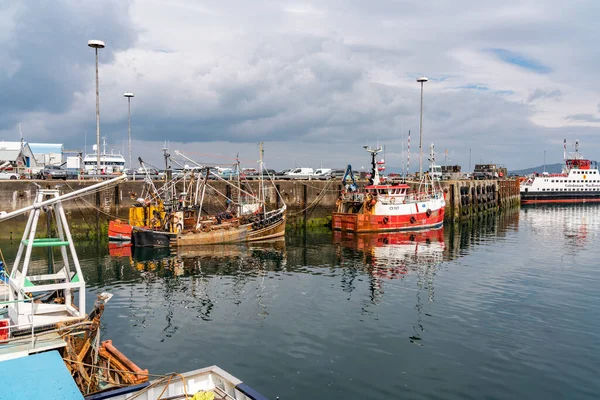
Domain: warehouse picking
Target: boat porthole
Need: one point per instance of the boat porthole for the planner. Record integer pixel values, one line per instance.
(428, 213)
(413, 219)
(385, 220)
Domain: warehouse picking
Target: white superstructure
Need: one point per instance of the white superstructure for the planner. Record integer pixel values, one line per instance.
(109, 163)
(579, 182)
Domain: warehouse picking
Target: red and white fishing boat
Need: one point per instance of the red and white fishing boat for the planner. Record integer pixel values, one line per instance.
(384, 207)
(579, 182)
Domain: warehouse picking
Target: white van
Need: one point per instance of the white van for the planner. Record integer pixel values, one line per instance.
(299, 173)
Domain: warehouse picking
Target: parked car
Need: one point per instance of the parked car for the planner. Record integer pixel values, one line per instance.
(53, 172)
(337, 173)
(482, 175)
(8, 175)
(228, 174)
(322, 174)
(249, 171)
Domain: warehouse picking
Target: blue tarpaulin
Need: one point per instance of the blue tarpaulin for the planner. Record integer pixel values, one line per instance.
(39, 376)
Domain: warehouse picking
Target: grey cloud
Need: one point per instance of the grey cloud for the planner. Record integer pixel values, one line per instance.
(538, 94)
(345, 76)
(49, 46)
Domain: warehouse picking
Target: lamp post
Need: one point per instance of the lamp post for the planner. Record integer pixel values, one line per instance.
(421, 80)
(129, 95)
(97, 44)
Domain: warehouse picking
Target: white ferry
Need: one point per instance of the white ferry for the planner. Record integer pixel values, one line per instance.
(110, 163)
(579, 182)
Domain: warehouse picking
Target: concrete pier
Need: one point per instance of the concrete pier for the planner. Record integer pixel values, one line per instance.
(305, 199)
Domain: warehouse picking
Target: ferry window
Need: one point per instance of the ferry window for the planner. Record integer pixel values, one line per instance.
(552, 181)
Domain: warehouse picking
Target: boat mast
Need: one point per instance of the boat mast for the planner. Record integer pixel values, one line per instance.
(202, 198)
(421, 80)
(239, 188)
(374, 180)
(261, 189)
(431, 164)
(166, 156)
(402, 154)
(408, 155)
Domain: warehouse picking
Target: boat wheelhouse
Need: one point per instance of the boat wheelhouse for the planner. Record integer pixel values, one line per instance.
(579, 182)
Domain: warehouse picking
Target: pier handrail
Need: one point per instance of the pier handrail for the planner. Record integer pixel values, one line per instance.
(66, 196)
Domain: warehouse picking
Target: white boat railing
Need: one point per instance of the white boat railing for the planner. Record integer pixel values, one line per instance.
(400, 199)
(6, 302)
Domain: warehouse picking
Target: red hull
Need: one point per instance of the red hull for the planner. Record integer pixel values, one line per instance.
(385, 223)
(118, 230)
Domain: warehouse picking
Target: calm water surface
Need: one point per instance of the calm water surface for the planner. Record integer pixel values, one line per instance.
(507, 307)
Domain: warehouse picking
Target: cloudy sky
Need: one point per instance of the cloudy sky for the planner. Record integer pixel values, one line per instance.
(314, 80)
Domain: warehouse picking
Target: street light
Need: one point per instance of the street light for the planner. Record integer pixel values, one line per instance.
(129, 95)
(421, 80)
(97, 44)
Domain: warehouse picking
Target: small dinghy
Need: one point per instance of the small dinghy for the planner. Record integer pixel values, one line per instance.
(211, 383)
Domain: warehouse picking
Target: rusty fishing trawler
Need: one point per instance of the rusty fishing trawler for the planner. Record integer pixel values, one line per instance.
(181, 219)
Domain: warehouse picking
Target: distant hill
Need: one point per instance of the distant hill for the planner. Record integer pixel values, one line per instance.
(550, 168)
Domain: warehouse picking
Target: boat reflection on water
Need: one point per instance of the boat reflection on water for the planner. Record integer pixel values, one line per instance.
(393, 255)
(578, 223)
(387, 256)
(207, 259)
(119, 249)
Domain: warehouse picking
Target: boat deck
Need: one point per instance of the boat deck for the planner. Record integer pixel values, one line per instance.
(24, 347)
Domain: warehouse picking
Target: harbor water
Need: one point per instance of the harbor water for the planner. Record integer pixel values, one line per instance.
(503, 307)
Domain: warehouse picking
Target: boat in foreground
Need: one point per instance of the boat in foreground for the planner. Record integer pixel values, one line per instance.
(388, 207)
(48, 338)
(578, 183)
(201, 384)
(46, 309)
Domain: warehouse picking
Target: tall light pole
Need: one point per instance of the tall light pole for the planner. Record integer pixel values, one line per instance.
(129, 95)
(97, 44)
(421, 80)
